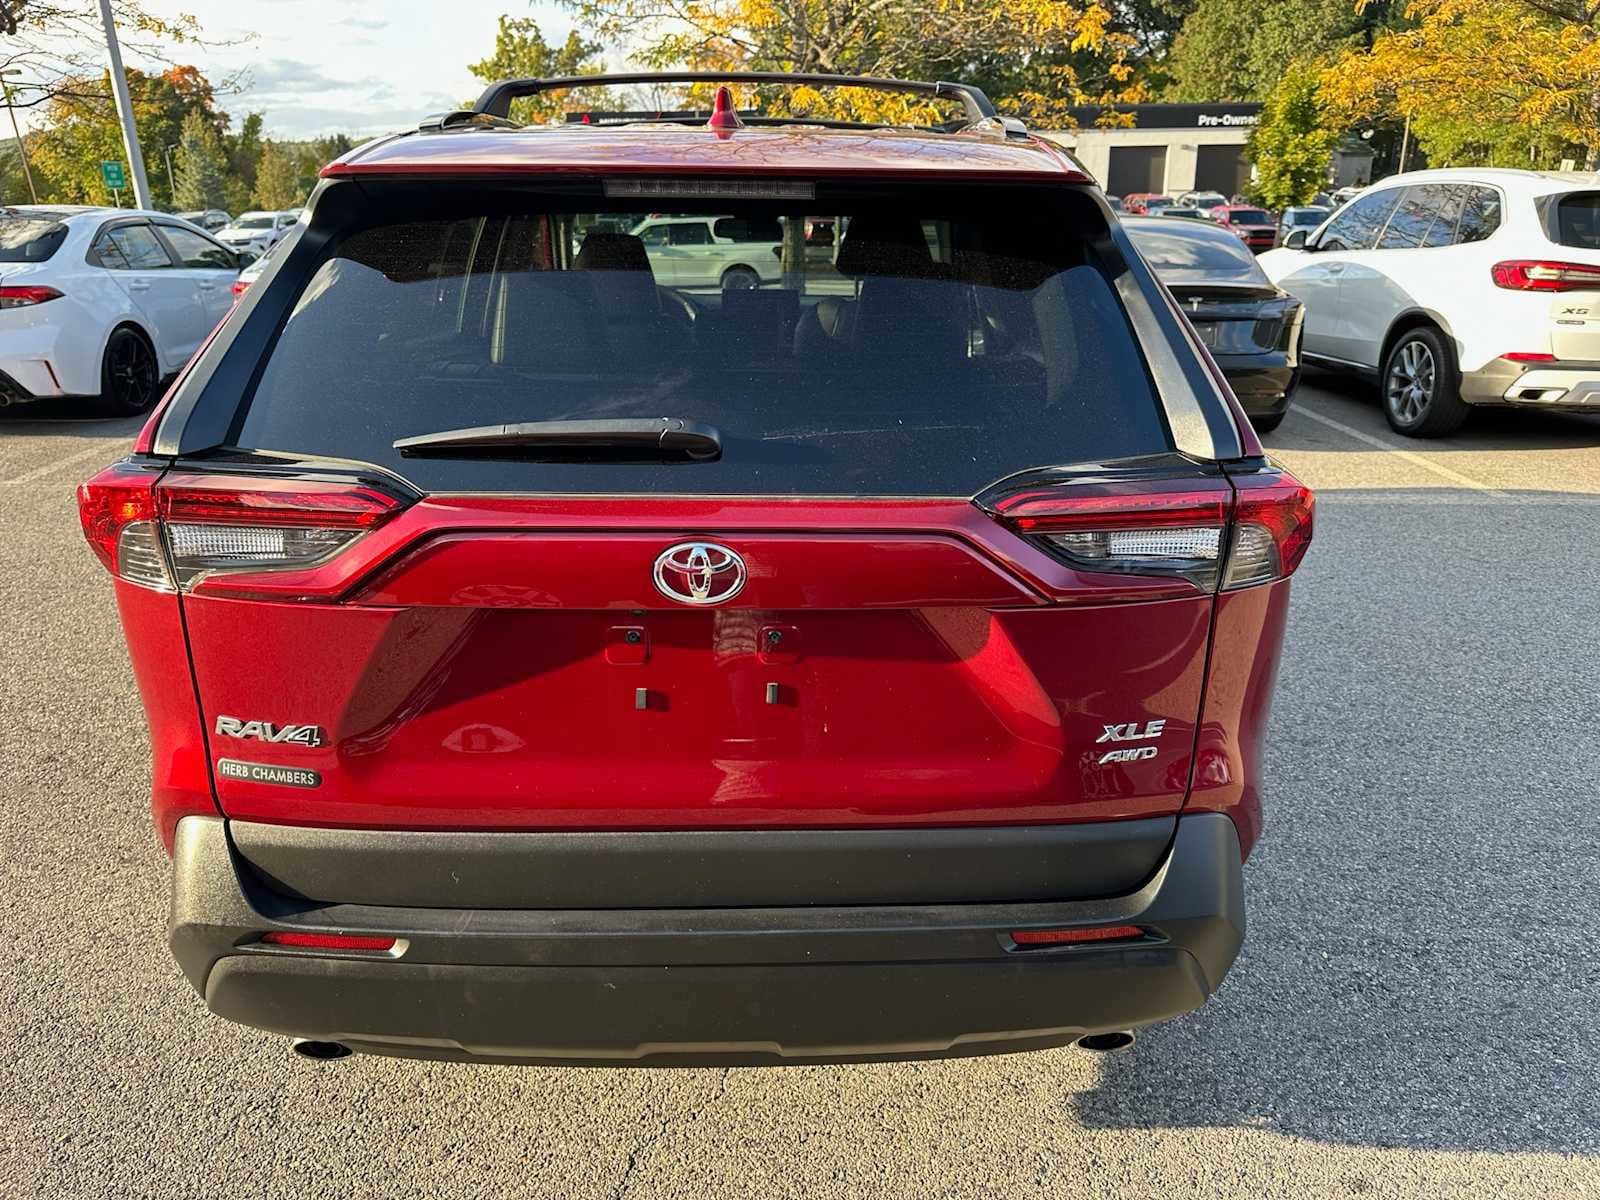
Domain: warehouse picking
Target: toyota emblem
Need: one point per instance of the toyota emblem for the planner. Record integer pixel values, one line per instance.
(699, 573)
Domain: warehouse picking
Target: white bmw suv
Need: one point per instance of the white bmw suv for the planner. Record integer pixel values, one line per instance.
(1456, 288)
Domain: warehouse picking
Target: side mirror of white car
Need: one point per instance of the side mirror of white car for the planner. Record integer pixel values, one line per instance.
(1296, 240)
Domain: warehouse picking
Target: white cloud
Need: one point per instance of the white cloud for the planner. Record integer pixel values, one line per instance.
(353, 66)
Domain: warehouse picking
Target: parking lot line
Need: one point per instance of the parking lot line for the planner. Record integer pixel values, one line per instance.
(1410, 456)
(51, 467)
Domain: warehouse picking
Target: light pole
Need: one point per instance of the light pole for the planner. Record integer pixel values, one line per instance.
(119, 88)
(22, 150)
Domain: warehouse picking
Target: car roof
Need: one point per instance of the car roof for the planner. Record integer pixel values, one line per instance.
(1181, 224)
(1533, 183)
(675, 149)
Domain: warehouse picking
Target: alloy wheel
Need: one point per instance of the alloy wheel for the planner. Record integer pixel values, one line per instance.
(131, 372)
(1412, 378)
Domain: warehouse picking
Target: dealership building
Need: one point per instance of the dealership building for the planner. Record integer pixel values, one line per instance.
(1170, 148)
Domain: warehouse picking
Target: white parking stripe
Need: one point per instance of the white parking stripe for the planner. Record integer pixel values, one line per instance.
(109, 449)
(1410, 456)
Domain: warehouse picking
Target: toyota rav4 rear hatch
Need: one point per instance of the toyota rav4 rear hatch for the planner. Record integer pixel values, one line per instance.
(509, 532)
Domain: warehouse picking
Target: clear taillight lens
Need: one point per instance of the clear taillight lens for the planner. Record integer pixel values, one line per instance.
(1217, 536)
(171, 532)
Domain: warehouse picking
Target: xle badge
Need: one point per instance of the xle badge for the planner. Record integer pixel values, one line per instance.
(266, 731)
(1130, 732)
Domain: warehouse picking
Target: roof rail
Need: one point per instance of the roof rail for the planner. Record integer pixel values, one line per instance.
(497, 97)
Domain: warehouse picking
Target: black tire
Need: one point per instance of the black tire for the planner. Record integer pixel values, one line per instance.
(130, 378)
(740, 279)
(1268, 423)
(1420, 387)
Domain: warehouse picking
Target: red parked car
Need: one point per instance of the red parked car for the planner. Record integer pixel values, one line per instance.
(1138, 203)
(547, 663)
(1256, 228)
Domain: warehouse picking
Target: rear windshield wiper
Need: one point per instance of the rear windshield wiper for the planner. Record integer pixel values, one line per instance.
(636, 438)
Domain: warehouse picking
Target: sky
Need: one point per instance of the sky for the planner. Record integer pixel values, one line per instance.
(354, 66)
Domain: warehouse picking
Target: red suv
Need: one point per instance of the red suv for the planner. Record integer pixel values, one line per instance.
(548, 663)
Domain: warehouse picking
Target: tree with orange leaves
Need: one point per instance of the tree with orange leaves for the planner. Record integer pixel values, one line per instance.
(1035, 57)
(1511, 82)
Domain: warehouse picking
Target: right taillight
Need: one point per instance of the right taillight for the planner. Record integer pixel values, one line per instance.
(169, 533)
(26, 296)
(1216, 536)
(1538, 275)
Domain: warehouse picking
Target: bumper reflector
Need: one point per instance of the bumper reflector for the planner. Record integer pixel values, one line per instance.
(1070, 937)
(327, 941)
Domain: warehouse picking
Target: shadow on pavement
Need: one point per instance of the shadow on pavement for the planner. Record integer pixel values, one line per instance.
(1514, 429)
(1421, 968)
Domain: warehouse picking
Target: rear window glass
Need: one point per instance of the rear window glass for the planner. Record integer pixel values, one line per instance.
(1192, 253)
(29, 239)
(1249, 216)
(926, 345)
(1578, 221)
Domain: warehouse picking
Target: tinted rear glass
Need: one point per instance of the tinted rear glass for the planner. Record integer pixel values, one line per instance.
(1193, 255)
(1578, 221)
(1249, 216)
(921, 343)
(30, 239)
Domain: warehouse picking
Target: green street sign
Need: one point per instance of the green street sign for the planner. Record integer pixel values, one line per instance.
(112, 172)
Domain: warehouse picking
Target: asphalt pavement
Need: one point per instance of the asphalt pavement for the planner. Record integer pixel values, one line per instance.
(1416, 1011)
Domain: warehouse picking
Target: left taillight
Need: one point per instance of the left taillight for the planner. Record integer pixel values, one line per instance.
(1224, 535)
(26, 297)
(168, 533)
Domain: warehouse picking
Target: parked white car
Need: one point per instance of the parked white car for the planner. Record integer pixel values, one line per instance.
(104, 302)
(1456, 288)
(258, 232)
(727, 252)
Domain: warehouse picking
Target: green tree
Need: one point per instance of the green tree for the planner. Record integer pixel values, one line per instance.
(82, 131)
(520, 51)
(244, 151)
(1292, 144)
(200, 165)
(277, 179)
(1238, 49)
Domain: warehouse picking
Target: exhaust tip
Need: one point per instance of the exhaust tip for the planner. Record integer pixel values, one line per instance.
(320, 1051)
(1107, 1043)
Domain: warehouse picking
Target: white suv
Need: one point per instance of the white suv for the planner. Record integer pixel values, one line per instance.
(1456, 288)
(727, 252)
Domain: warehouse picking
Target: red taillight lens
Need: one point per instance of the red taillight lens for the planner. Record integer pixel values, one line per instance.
(1528, 356)
(1272, 518)
(174, 532)
(1077, 936)
(327, 941)
(1206, 535)
(118, 511)
(24, 297)
(1537, 275)
(239, 287)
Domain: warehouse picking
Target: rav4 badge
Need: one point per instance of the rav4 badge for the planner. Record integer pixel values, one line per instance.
(266, 731)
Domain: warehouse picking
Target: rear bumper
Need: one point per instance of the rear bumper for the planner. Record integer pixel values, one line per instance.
(1262, 382)
(707, 985)
(1573, 385)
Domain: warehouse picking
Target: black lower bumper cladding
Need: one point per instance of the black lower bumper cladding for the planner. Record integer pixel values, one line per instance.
(695, 986)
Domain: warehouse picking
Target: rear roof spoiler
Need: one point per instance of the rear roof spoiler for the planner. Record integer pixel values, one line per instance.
(497, 97)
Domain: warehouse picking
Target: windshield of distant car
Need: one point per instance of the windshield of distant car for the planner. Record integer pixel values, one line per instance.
(1305, 216)
(253, 223)
(25, 239)
(1195, 254)
(1249, 216)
